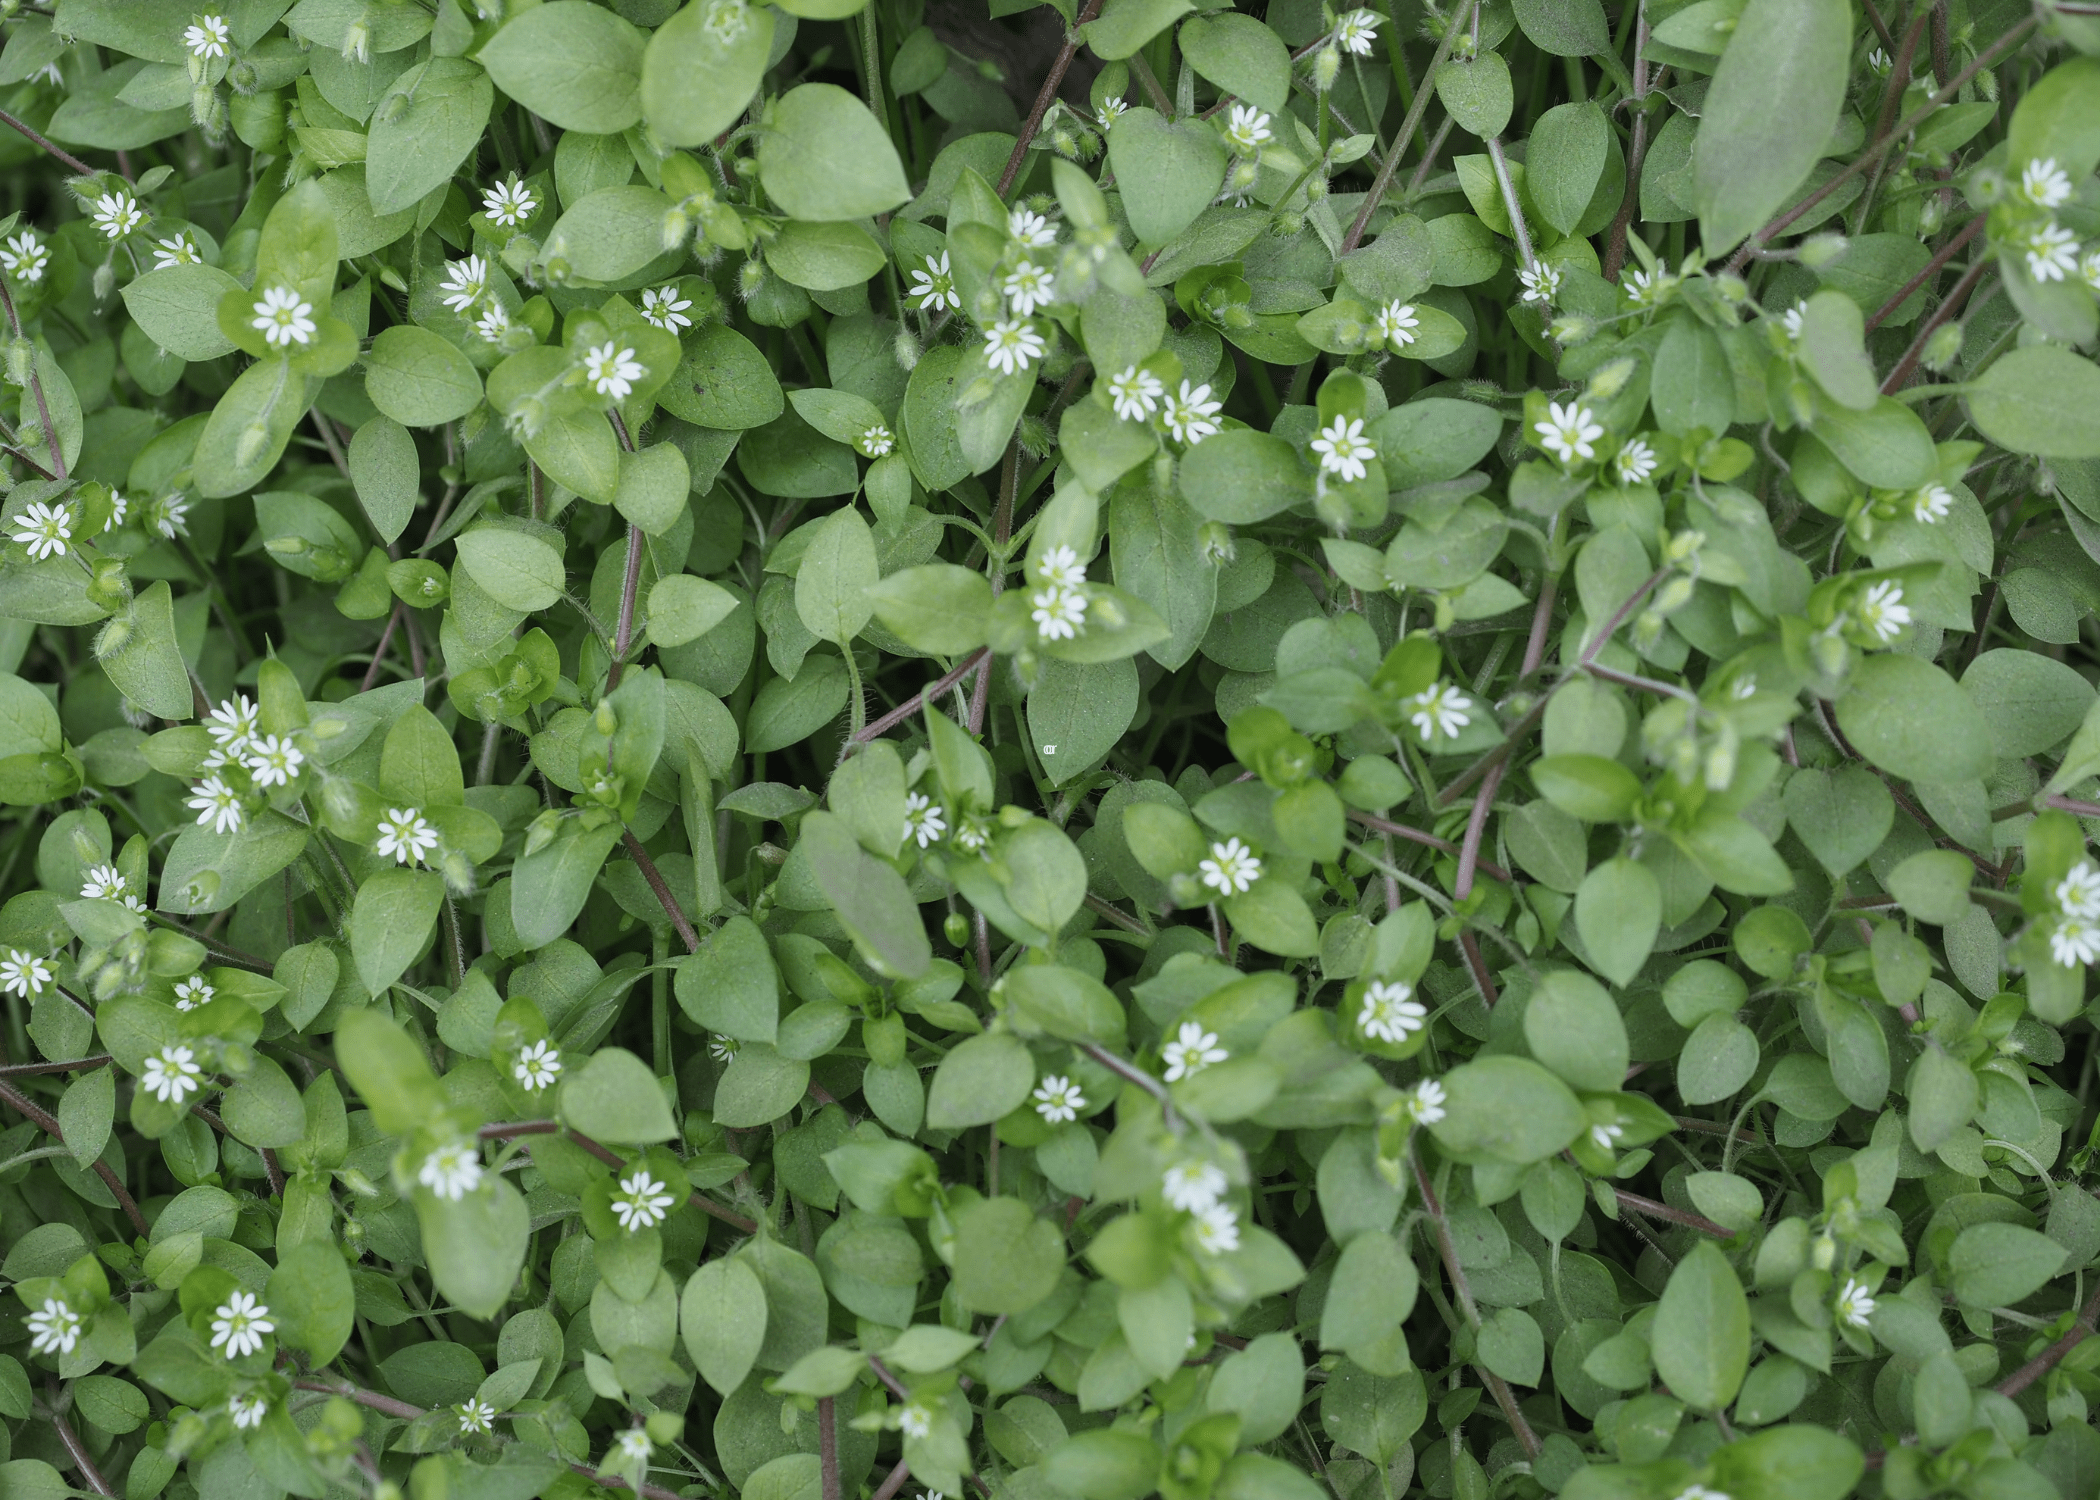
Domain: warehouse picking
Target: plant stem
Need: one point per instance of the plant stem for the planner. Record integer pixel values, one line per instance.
(1415, 111)
(1051, 83)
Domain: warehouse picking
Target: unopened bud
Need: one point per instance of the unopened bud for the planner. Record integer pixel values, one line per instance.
(1215, 543)
(105, 281)
(905, 347)
(956, 929)
(357, 42)
(605, 720)
(1819, 250)
(21, 359)
(750, 279)
(676, 226)
(1942, 348)
(1326, 67)
(1573, 329)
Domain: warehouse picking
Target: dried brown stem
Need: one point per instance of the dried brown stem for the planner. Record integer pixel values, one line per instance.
(1415, 111)
(1052, 81)
(21, 1103)
(654, 876)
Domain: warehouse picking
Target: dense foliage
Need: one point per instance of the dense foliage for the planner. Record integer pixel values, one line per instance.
(782, 752)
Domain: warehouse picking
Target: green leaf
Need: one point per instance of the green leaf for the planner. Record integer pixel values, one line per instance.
(2030, 702)
(550, 885)
(2001, 1265)
(1701, 1334)
(86, 1111)
(475, 1245)
(1573, 1027)
(178, 308)
(1477, 93)
(823, 157)
(1841, 816)
(2043, 400)
(1618, 911)
(1006, 1259)
(1794, 1462)
(984, 1079)
(1910, 718)
(389, 1072)
(1169, 171)
(1750, 159)
(936, 607)
(1507, 1109)
(419, 379)
(138, 651)
(311, 1297)
(576, 65)
(870, 898)
(1833, 349)
(391, 922)
(838, 570)
(615, 1098)
(700, 69)
(516, 569)
(423, 128)
(1236, 52)
(723, 1316)
(385, 469)
(1570, 146)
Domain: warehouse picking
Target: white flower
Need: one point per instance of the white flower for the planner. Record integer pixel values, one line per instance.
(1396, 324)
(642, 1202)
(2076, 941)
(406, 834)
(1029, 227)
(933, 285)
(23, 973)
(25, 256)
(1439, 708)
(1217, 1230)
(1854, 1305)
(1192, 1186)
(537, 1066)
(284, 317)
(1878, 62)
(634, 1446)
(239, 1325)
(451, 1171)
(1247, 130)
(1646, 288)
(1744, 687)
(1059, 614)
(1010, 345)
(612, 370)
(2078, 893)
(2044, 184)
(1568, 431)
(50, 74)
(176, 250)
(914, 1420)
(1191, 415)
(1931, 504)
(45, 529)
(1111, 110)
(1135, 393)
(232, 724)
(722, 1048)
(666, 307)
(2051, 250)
(274, 761)
(1636, 461)
(1231, 868)
(1791, 318)
(103, 882)
(1604, 1137)
(1881, 611)
(923, 823)
(193, 992)
(171, 1074)
(493, 323)
(972, 833)
(876, 442)
(1061, 568)
(2088, 269)
(1028, 286)
(1424, 1102)
(117, 214)
(509, 203)
(1356, 31)
(119, 507)
(1700, 1492)
(54, 1328)
(466, 283)
(218, 806)
(1391, 1013)
(1058, 1099)
(209, 37)
(475, 1415)
(1192, 1050)
(247, 1411)
(1343, 450)
(1541, 283)
(169, 514)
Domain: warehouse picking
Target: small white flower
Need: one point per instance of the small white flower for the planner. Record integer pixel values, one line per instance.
(475, 1415)
(119, 507)
(247, 1411)
(634, 1446)
(171, 1074)
(103, 883)
(466, 283)
(1791, 319)
(117, 214)
(1029, 286)
(23, 973)
(25, 257)
(1636, 461)
(1854, 1305)
(923, 822)
(1343, 450)
(2044, 184)
(1396, 324)
(1878, 62)
(2051, 251)
(1646, 288)
(1217, 1230)
(1881, 611)
(284, 317)
(1931, 504)
(1191, 415)
(232, 724)
(722, 1048)
(612, 370)
(509, 203)
(2078, 893)
(537, 1066)
(641, 1202)
(1059, 614)
(1030, 228)
(1744, 687)
(1231, 868)
(666, 307)
(170, 514)
(1438, 709)
(54, 1328)
(207, 38)
(50, 74)
(876, 442)
(1135, 393)
(1247, 130)
(914, 1420)
(1356, 31)
(45, 529)
(218, 806)
(1391, 1012)
(406, 834)
(972, 833)
(193, 992)
(2075, 941)
(493, 323)
(2088, 269)
(274, 761)
(1192, 1050)
(1425, 1102)
(1010, 345)
(1061, 568)
(933, 285)
(1058, 1099)
(1111, 110)
(1605, 1137)
(1568, 432)
(452, 1170)
(176, 250)
(1541, 283)
(1700, 1492)
(1192, 1186)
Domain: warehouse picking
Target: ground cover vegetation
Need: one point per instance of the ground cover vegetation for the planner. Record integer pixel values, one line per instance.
(1052, 752)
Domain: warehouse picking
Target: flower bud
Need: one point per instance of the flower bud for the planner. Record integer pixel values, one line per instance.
(357, 42)
(1215, 543)
(905, 347)
(1819, 250)
(105, 281)
(21, 359)
(1326, 67)
(676, 226)
(750, 279)
(1942, 348)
